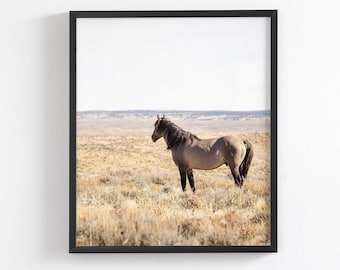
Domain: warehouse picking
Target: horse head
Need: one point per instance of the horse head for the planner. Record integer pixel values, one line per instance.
(158, 133)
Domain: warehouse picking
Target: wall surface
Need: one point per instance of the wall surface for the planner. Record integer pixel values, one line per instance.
(34, 138)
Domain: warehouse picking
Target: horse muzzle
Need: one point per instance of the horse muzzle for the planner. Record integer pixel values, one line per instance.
(153, 138)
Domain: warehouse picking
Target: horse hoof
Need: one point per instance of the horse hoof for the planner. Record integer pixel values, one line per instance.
(193, 190)
(238, 185)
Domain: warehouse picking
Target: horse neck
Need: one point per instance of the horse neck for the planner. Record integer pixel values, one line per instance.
(174, 135)
(167, 141)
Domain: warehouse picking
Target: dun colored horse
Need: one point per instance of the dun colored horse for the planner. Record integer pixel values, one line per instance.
(190, 152)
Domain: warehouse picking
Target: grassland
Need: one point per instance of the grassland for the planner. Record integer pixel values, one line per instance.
(129, 194)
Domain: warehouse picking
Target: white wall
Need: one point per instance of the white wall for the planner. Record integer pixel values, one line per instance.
(34, 138)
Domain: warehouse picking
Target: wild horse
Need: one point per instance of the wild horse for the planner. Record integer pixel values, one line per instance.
(190, 152)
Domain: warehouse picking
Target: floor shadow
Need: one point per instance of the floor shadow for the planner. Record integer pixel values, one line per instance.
(55, 77)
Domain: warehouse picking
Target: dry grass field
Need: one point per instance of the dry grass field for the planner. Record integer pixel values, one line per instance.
(129, 194)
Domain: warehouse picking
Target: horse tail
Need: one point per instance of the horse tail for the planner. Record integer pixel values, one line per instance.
(246, 162)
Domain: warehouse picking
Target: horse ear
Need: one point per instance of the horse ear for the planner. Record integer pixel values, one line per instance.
(163, 116)
(158, 117)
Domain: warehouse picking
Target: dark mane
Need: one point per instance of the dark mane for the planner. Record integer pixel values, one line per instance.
(174, 135)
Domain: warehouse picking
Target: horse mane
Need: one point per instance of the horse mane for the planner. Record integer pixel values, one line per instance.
(174, 135)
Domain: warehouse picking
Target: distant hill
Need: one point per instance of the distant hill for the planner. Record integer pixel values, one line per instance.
(141, 122)
(202, 115)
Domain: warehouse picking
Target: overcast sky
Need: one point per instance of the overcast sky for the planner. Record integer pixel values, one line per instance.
(173, 64)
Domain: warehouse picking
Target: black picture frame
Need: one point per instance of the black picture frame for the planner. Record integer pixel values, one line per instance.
(74, 15)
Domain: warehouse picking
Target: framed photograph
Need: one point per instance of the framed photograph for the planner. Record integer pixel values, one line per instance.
(173, 131)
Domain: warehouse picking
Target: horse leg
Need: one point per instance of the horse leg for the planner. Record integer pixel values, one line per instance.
(237, 176)
(241, 180)
(183, 175)
(191, 180)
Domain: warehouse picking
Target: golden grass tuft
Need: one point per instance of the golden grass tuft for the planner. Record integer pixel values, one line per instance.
(190, 201)
(190, 227)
